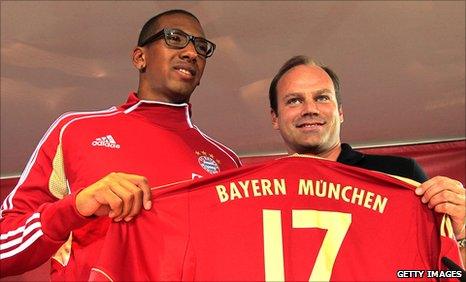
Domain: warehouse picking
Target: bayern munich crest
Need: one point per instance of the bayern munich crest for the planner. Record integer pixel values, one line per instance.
(208, 162)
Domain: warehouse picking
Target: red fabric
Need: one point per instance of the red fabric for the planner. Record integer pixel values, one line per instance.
(270, 222)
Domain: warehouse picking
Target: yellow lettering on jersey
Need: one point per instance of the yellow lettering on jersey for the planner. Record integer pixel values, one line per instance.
(380, 203)
(280, 186)
(273, 245)
(234, 192)
(368, 200)
(266, 184)
(344, 195)
(321, 188)
(251, 188)
(334, 191)
(305, 187)
(349, 194)
(222, 193)
(255, 188)
(358, 194)
(244, 185)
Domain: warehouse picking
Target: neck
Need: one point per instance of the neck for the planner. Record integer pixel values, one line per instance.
(329, 154)
(145, 93)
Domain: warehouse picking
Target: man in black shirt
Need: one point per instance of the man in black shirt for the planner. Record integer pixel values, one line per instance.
(306, 108)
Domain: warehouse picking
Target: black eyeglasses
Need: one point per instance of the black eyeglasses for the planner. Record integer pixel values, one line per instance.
(180, 39)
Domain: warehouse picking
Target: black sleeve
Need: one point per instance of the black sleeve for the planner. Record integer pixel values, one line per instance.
(418, 173)
(400, 166)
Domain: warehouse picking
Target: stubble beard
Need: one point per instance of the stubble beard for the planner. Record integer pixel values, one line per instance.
(181, 93)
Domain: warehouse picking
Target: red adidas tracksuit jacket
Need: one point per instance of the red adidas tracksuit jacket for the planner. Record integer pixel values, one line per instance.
(153, 139)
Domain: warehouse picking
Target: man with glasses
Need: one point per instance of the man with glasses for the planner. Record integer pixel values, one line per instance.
(94, 167)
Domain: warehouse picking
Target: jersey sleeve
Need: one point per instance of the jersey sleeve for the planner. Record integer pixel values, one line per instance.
(37, 217)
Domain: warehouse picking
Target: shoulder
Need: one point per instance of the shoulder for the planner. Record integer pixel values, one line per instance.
(55, 130)
(395, 165)
(66, 119)
(223, 148)
(70, 117)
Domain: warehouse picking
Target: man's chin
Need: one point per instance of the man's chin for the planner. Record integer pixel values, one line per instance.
(307, 149)
(182, 94)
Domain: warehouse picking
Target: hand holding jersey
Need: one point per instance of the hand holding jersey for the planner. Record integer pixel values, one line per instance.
(446, 195)
(118, 195)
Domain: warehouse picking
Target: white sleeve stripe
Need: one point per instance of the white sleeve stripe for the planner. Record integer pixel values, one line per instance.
(86, 117)
(23, 246)
(9, 199)
(222, 146)
(103, 273)
(19, 240)
(19, 229)
(217, 145)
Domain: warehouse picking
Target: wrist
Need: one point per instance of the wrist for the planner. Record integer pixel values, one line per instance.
(60, 218)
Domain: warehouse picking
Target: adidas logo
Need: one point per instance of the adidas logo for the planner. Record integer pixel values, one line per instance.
(106, 141)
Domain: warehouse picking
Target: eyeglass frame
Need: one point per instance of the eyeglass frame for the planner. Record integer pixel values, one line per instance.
(191, 38)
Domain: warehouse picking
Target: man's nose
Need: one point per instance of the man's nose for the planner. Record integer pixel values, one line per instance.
(189, 52)
(310, 108)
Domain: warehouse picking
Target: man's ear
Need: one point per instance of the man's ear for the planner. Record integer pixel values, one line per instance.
(139, 59)
(274, 119)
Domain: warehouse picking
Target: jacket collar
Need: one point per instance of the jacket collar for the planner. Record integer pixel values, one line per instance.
(168, 115)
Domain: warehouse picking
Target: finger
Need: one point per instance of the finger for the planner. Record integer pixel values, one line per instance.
(143, 184)
(137, 198)
(440, 184)
(115, 203)
(452, 185)
(445, 196)
(457, 221)
(425, 186)
(126, 199)
(109, 203)
(108, 198)
(452, 210)
(438, 181)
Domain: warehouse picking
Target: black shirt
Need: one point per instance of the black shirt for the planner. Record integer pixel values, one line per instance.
(400, 166)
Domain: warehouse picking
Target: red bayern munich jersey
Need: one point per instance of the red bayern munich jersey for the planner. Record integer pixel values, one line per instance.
(291, 219)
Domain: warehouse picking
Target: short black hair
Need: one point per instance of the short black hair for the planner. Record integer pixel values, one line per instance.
(152, 25)
(294, 62)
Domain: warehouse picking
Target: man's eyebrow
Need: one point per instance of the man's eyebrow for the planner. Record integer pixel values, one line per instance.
(322, 91)
(292, 94)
